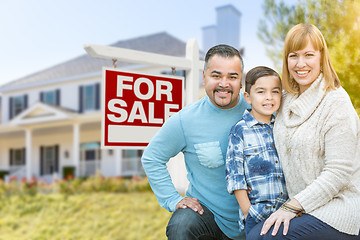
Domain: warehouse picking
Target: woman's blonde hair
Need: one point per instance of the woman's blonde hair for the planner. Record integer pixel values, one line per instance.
(297, 39)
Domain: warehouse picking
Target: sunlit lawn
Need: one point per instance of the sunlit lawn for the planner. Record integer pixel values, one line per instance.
(83, 216)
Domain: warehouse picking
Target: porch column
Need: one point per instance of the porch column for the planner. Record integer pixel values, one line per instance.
(76, 149)
(28, 143)
(118, 161)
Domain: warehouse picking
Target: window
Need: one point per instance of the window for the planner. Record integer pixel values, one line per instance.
(89, 98)
(17, 105)
(90, 151)
(51, 97)
(17, 157)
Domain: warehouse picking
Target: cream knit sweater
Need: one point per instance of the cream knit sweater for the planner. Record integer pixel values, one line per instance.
(316, 136)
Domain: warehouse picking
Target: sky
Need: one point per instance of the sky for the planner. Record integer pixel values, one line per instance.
(38, 34)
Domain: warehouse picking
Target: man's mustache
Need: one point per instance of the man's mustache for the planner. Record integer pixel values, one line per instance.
(223, 89)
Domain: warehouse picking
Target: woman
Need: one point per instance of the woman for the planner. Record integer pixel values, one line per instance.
(317, 134)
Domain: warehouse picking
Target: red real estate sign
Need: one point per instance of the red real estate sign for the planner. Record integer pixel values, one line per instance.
(136, 105)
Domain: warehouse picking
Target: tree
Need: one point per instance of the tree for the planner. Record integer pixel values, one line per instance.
(339, 22)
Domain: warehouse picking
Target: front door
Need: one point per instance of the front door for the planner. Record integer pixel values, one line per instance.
(49, 162)
(90, 157)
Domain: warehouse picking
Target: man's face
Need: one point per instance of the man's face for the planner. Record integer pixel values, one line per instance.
(222, 81)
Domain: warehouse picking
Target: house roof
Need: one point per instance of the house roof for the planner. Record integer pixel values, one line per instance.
(162, 43)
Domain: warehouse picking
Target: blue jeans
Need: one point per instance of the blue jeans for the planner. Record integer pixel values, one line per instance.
(304, 227)
(249, 224)
(186, 224)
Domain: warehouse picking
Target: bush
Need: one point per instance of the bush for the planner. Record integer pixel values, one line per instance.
(70, 185)
(3, 173)
(68, 171)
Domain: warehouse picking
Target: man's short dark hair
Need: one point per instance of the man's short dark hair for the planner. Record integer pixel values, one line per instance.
(225, 51)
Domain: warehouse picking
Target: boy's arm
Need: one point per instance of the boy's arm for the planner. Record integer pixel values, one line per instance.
(243, 200)
(235, 173)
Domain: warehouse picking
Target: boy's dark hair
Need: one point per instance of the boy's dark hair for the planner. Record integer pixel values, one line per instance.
(256, 73)
(225, 51)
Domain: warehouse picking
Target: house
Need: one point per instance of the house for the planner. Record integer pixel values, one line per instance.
(51, 120)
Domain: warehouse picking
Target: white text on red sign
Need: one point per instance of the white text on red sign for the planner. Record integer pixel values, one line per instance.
(126, 83)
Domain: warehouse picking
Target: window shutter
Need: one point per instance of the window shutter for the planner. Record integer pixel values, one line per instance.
(11, 154)
(81, 99)
(41, 96)
(25, 101)
(24, 156)
(57, 158)
(57, 96)
(41, 160)
(11, 106)
(97, 96)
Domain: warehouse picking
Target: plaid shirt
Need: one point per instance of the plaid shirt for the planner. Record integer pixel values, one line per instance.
(252, 160)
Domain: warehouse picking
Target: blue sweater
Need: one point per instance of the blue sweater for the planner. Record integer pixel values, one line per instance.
(201, 132)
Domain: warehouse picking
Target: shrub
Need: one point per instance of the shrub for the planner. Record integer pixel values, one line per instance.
(70, 185)
(68, 171)
(3, 173)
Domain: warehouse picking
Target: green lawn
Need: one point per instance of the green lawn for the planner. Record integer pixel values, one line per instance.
(83, 216)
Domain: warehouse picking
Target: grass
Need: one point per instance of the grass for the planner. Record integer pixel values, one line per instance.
(124, 216)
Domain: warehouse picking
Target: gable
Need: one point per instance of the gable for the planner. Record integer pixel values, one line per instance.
(41, 113)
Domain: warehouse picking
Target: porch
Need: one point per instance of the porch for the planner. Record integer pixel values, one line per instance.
(130, 166)
(44, 146)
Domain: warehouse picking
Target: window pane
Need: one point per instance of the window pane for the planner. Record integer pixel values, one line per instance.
(89, 97)
(90, 155)
(90, 151)
(18, 158)
(18, 105)
(49, 160)
(49, 97)
(129, 153)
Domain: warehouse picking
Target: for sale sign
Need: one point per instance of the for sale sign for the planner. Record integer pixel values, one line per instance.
(136, 105)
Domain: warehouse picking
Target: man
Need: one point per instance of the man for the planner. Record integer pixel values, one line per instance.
(201, 132)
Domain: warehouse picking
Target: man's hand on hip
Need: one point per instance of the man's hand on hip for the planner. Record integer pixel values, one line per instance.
(189, 202)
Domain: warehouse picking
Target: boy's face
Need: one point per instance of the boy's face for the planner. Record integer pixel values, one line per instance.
(264, 98)
(222, 81)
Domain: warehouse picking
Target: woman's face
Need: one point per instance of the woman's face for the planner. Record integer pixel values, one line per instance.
(304, 66)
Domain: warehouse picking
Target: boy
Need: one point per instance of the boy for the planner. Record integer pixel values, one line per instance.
(251, 159)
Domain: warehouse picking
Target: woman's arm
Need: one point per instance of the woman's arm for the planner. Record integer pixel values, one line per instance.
(280, 216)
